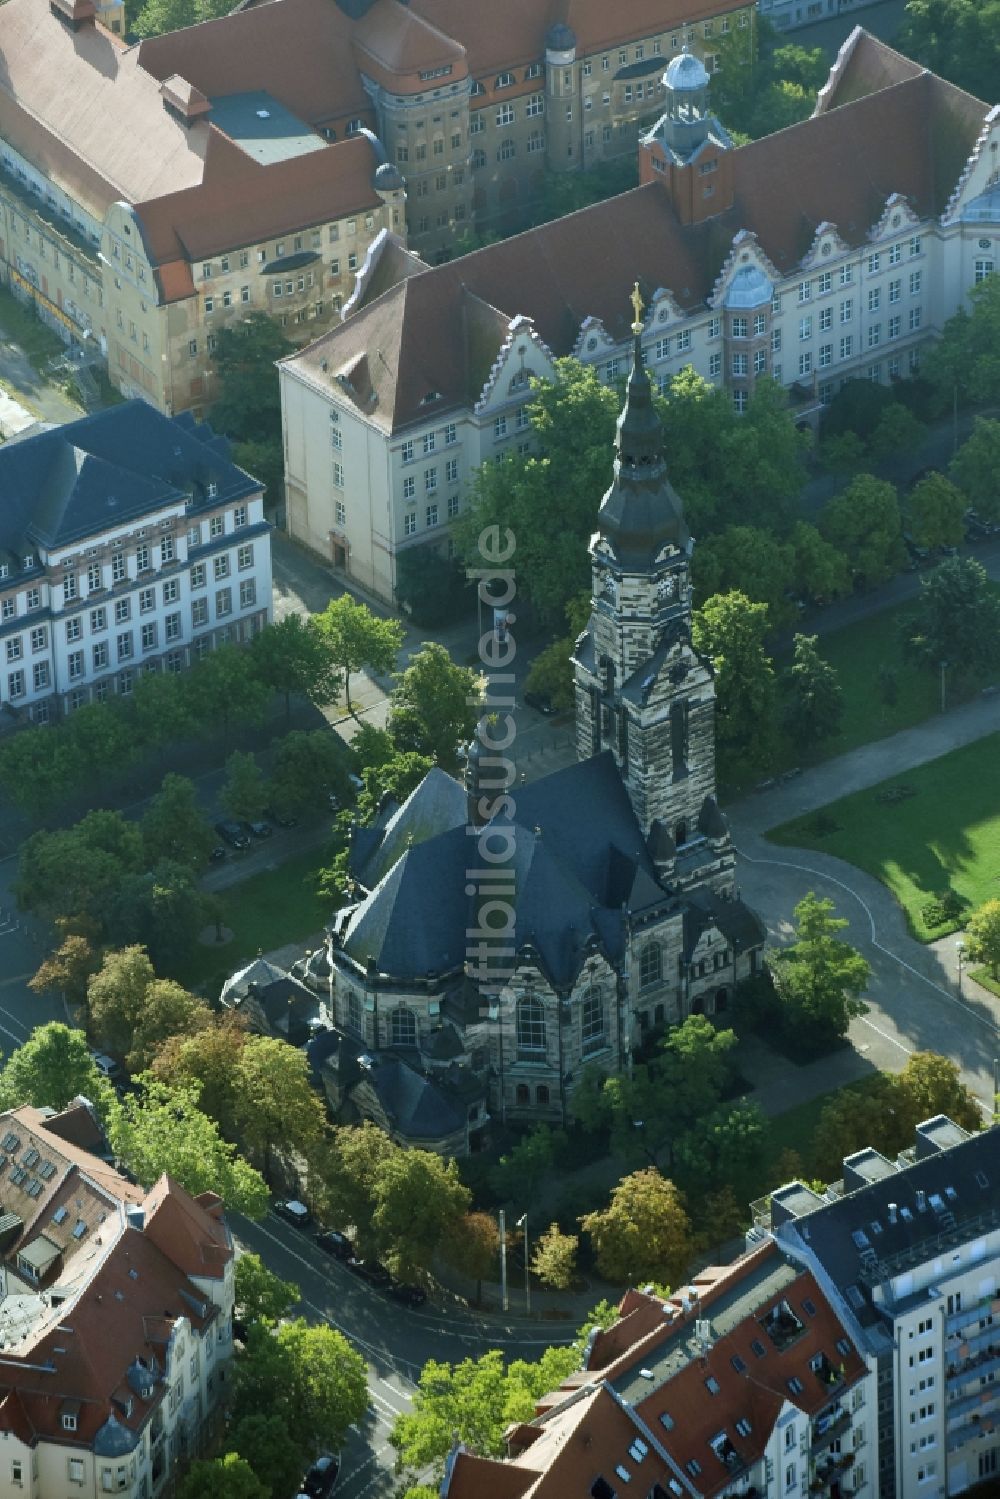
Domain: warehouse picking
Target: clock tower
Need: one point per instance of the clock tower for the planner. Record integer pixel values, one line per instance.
(642, 691)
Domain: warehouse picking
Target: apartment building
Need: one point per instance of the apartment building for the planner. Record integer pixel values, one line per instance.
(139, 214)
(908, 1251)
(781, 260)
(129, 543)
(115, 1316)
(788, 15)
(744, 1383)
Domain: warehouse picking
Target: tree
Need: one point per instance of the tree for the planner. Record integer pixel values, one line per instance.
(432, 588)
(435, 705)
(818, 978)
(522, 1170)
(162, 1129)
(310, 1377)
(474, 1402)
(351, 1166)
(307, 766)
(356, 637)
(293, 658)
(276, 1101)
(167, 1010)
(50, 1069)
(813, 699)
(473, 1248)
(245, 357)
(417, 1199)
(263, 1442)
(725, 1149)
(960, 39)
(752, 560)
(116, 995)
(161, 708)
(821, 570)
(865, 523)
(173, 825)
(76, 872)
(209, 1062)
(937, 511)
(957, 618)
(100, 739)
(644, 1233)
(896, 431)
(554, 1259)
(929, 1084)
(259, 1294)
(225, 689)
(983, 936)
(37, 769)
(228, 1477)
(551, 672)
(963, 363)
(161, 910)
(976, 465)
(243, 795)
(730, 631)
(67, 970)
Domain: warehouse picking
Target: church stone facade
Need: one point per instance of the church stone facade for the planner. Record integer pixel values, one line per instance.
(602, 895)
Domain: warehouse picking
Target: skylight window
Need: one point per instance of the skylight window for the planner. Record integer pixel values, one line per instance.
(79, 1229)
(60, 1215)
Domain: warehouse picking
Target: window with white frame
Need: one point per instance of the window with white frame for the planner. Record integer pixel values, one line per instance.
(805, 363)
(915, 245)
(847, 346)
(916, 281)
(846, 310)
(846, 274)
(684, 341)
(248, 593)
(915, 318)
(983, 269)
(825, 356)
(220, 566)
(895, 290)
(825, 319)
(166, 550)
(741, 365)
(824, 282)
(223, 602)
(874, 298)
(805, 291)
(216, 526)
(759, 325)
(409, 524)
(805, 328)
(714, 366)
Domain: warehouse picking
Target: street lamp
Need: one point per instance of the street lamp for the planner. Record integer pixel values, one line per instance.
(522, 1222)
(503, 1259)
(960, 954)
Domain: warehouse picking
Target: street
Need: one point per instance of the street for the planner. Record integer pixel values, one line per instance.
(396, 1341)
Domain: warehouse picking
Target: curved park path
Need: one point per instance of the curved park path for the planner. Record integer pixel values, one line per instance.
(913, 997)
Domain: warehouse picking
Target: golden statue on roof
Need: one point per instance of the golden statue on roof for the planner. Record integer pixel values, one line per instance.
(637, 308)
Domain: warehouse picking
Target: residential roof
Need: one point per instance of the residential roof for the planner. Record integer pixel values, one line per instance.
(394, 44)
(896, 1220)
(436, 804)
(413, 1104)
(263, 127)
(108, 469)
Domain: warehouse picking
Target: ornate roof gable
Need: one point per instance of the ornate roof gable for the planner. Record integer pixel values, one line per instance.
(513, 367)
(746, 254)
(592, 341)
(896, 215)
(826, 245)
(981, 170)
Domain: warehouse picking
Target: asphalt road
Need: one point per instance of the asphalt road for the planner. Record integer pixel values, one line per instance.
(395, 1340)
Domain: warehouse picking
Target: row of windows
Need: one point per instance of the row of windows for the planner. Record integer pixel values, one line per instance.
(530, 1022)
(429, 442)
(431, 515)
(241, 261)
(823, 283)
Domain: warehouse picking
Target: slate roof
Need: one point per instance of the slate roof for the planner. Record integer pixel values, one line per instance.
(75, 481)
(963, 1181)
(435, 805)
(579, 856)
(902, 132)
(413, 1104)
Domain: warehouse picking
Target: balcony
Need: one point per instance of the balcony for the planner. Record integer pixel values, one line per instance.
(983, 1419)
(828, 1471)
(836, 1422)
(983, 1362)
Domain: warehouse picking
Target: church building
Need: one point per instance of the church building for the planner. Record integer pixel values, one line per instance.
(502, 938)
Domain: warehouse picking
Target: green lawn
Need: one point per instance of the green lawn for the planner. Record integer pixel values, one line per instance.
(27, 330)
(264, 912)
(858, 652)
(945, 835)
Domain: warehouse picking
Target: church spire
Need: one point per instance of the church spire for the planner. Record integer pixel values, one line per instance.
(641, 513)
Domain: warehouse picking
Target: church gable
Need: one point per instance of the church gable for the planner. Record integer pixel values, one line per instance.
(522, 356)
(980, 175)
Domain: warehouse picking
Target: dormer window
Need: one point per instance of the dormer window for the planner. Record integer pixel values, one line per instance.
(504, 80)
(29, 562)
(69, 1420)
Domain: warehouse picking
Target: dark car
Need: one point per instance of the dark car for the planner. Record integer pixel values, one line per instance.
(282, 819)
(294, 1212)
(261, 829)
(331, 1242)
(541, 702)
(408, 1295)
(233, 833)
(320, 1479)
(218, 854)
(370, 1271)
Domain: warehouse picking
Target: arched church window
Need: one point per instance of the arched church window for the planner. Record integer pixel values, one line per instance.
(530, 1024)
(402, 1027)
(650, 965)
(681, 833)
(354, 1021)
(592, 1021)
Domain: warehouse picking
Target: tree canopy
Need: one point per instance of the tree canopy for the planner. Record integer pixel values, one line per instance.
(435, 706)
(293, 657)
(309, 1376)
(731, 631)
(173, 826)
(819, 978)
(957, 617)
(813, 702)
(644, 1233)
(355, 637)
(864, 522)
(983, 933)
(50, 1069)
(259, 1294)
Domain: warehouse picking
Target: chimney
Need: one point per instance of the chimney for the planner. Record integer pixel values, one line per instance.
(180, 97)
(76, 13)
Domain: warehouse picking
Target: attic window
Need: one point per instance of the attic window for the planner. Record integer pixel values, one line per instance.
(30, 1157)
(11, 1143)
(666, 1421)
(712, 1385)
(263, 114)
(46, 1171)
(69, 1421)
(795, 1385)
(982, 1180)
(432, 395)
(743, 1426)
(843, 1347)
(758, 1348)
(60, 1215)
(79, 1229)
(738, 1364)
(623, 1473)
(809, 1307)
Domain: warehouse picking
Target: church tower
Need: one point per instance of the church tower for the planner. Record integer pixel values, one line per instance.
(642, 690)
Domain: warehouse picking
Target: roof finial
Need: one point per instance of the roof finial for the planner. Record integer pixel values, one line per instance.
(637, 308)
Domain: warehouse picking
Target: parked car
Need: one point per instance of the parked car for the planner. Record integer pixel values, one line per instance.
(233, 833)
(370, 1271)
(337, 1244)
(261, 829)
(408, 1295)
(541, 702)
(281, 819)
(109, 1069)
(356, 783)
(321, 1477)
(294, 1212)
(218, 854)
